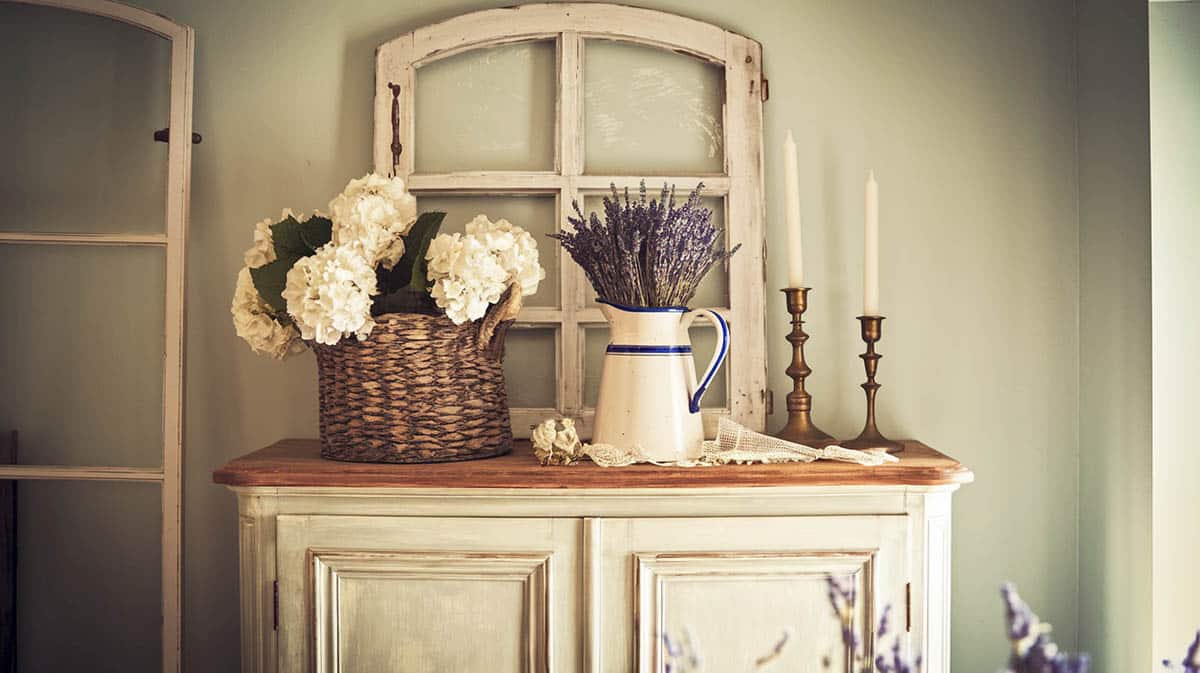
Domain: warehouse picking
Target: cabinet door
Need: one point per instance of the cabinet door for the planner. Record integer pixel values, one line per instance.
(409, 595)
(731, 587)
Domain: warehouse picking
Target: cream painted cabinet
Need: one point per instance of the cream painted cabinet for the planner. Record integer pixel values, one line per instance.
(500, 565)
(369, 593)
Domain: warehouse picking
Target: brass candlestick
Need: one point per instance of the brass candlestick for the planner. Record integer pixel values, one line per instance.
(869, 438)
(800, 428)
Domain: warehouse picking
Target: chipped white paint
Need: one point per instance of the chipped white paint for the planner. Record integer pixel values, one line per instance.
(581, 580)
(734, 139)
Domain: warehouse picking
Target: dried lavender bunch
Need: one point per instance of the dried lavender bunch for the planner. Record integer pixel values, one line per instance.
(1033, 650)
(646, 252)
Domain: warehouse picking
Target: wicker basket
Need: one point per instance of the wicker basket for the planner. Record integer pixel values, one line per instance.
(419, 390)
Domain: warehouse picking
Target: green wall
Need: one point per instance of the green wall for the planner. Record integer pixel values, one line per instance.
(1114, 335)
(1175, 197)
(969, 113)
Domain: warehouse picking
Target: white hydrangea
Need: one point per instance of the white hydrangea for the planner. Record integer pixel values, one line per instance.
(514, 247)
(329, 294)
(467, 276)
(263, 250)
(375, 213)
(471, 271)
(254, 322)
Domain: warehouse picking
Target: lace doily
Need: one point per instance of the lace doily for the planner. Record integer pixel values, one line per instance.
(558, 443)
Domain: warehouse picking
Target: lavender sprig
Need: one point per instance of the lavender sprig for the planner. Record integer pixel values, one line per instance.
(1033, 649)
(646, 252)
(842, 598)
(1191, 660)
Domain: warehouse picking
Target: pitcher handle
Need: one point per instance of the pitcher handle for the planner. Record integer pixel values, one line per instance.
(719, 354)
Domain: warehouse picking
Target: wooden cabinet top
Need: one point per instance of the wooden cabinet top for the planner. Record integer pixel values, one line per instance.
(297, 463)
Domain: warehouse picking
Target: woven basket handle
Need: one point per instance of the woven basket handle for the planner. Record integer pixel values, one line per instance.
(497, 320)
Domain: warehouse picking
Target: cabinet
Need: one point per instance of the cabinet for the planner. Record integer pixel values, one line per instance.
(503, 566)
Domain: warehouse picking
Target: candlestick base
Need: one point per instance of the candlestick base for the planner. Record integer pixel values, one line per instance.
(868, 441)
(870, 437)
(800, 427)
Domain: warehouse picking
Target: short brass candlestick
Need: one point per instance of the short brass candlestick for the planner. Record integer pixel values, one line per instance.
(869, 438)
(800, 428)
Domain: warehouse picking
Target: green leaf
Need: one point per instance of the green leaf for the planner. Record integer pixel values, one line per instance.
(270, 279)
(422, 234)
(316, 231)
(297, 239)
(404, 301)
(409, 272)
(286, 235)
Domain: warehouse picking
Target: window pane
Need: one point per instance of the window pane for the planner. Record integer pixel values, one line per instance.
(89, 576)
(651, 111)
(529, 367)
(83, 97)
(714, 289)
(704, 343)
(535, 214)
(487, 109)
(83, 350)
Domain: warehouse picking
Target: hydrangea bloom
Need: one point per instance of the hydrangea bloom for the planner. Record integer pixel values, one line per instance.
(471, 271)
(467, 277)
(255, 323)
(375, 213)
(263, 250)
(329, 294)
(515, 248)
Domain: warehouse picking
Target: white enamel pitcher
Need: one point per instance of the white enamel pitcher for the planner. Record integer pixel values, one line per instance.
(649, 394)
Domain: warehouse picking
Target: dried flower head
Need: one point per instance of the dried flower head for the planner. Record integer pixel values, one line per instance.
(646, 252)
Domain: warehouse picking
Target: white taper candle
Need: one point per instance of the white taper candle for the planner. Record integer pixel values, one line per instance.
(871, 251)
(791, 199)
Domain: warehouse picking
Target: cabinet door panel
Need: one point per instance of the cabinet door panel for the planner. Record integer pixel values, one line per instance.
(427, 594)
(732, 587)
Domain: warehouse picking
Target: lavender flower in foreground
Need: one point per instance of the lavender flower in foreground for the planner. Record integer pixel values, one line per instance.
(841, 599)
(1191, 660)
(842, 596)
(646, 252)
(1033, 650)
(681, 656)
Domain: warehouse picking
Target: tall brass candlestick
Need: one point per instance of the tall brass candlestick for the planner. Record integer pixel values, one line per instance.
(870, 438)
(800, 428)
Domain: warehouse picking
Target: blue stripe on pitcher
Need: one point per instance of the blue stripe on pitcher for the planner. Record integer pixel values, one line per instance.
(649, 350)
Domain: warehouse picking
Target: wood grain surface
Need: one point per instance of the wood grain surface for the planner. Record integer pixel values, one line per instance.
(297, 463)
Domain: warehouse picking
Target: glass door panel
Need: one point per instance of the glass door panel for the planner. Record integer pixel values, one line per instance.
(487, 109)
(536, 214)
(84, 95)
(651, 111)
(89, 572)
(83, 354)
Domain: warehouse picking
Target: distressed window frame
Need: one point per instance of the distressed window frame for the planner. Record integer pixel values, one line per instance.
(173, 241)
(740, 184)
